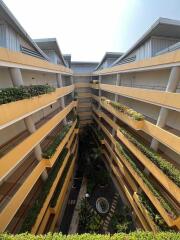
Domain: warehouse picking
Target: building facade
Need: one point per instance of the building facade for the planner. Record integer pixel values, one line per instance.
(132, 98)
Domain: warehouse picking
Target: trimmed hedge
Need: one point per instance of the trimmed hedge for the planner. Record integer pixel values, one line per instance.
(166, 205)
(38, 204)
(61, 182)
(119, 236)
(13, 94)
(124, 109)
(168, 168)
(54, 145)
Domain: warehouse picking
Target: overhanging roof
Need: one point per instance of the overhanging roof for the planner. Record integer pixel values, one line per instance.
(109, 55)
(163, 27)
(13, 22)
(50, 44)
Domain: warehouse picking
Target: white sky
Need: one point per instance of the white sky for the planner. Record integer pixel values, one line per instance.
(89, 28)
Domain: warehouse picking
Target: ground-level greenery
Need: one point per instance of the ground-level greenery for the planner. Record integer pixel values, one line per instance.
(120, 236)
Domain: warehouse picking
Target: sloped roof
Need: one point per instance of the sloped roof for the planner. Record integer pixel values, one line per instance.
(163, 27)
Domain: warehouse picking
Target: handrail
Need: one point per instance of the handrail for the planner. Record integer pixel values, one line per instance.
(160, 134)
(16, 155)
(159, 98)
(17, 59)
(161, 177)
(15, 111)
(166, 60)
(16, 201)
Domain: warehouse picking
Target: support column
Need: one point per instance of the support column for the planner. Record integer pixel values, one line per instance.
(37, 150)
(163, 114)
(16, 77)
(118, 80)
(62, 99)
(99, 106)
(17, 80)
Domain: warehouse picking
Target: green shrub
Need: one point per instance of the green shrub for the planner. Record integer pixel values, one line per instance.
(89, 221)
(166, 205)
(124, 109)
(60, 184)
(168, 168)
(38, 204)
(49, 152)
(154, 214)
(12, 94)
(119, 236)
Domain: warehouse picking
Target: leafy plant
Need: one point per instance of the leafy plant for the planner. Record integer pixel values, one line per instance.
(169, 209)
(168, 168)
(153, 212)
(36, 208)
(12, 94)
(60, 183)
(138, 235)
(49, 152)
(124, 109)
(90, 221)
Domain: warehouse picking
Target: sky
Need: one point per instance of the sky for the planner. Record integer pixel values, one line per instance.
(87, 29)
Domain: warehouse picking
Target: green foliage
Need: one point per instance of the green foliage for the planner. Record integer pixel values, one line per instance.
(119, 236)
(166, 205)
(124, 109)
(97, 132)
(49, 152)
(89, 221)
(60, 184)
(122, 220)
(168, 168)
(153, 212)
(36, 208)
(12, 94)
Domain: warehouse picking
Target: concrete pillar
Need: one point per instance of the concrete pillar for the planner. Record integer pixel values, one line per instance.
(62, 99)
(37, 150)
(163, 114)
(17, 80)
(99, 106)
(16, 77)
(118, 79)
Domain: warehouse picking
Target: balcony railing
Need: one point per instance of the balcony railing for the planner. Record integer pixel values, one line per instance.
(16, 155)
(16, 59)
(160, 98)
(9, 211)
(14, 111)
(162, 177)
(169, 220)
(160, 134)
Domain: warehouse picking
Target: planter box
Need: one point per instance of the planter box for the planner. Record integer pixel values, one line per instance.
(14, 111)
(171, 222)
(166, 182)
(123, 117)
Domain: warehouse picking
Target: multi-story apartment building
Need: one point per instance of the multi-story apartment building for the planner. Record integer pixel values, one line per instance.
(132, 98)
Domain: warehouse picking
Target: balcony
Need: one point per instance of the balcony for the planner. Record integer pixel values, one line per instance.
(18, 198)
(15, 111)
(160, 134)
(169, 220)
(159, 98)
(16, 155)
(163, 178)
